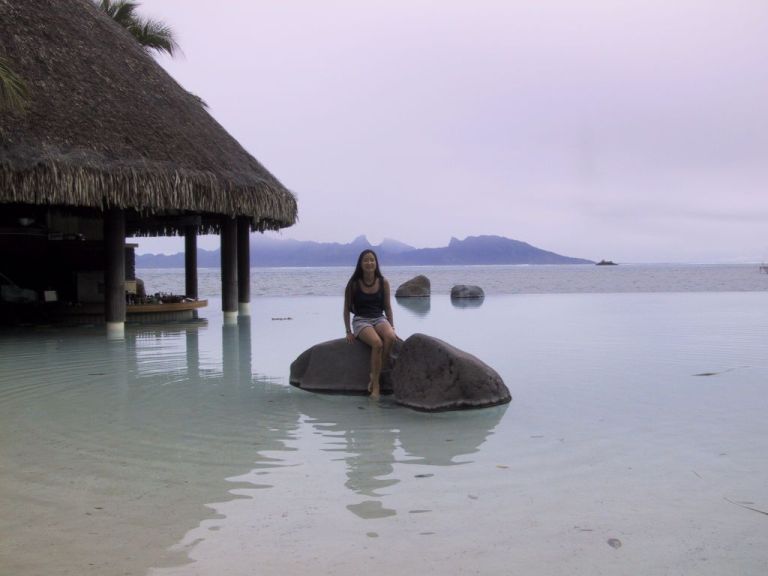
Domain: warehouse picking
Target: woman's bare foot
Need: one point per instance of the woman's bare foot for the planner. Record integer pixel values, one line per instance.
(373, 388)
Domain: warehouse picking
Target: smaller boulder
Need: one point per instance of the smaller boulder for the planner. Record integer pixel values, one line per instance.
(432, 375)
(416, 287)
(467, 291)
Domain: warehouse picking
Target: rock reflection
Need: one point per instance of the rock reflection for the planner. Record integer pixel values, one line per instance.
(442, 439)
(467, 302)
(417, 306)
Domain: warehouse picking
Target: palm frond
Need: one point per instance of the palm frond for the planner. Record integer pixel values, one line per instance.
(154, 35)
(121, 11)
(13, 90)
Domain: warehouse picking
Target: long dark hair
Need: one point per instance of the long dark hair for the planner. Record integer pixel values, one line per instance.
(358, 273)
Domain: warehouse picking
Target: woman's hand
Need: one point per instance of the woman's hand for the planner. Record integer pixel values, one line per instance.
(350, 337)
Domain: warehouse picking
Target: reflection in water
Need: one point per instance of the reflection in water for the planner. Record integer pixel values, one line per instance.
(125, 441)
(467, 302)
(365, 436)
(244, 367)
(112, 451)
(416, 306)
(368, 435)
(441, 439)
(160, 425)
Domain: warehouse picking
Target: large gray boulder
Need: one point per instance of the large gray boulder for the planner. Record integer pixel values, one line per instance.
(417, 287)
(338, 366)
(432, 375)
(467, 291)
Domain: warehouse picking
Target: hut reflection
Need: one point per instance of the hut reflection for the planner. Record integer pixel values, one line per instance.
(245, 365)
(229, 352)
(158, 347)
(193, 353)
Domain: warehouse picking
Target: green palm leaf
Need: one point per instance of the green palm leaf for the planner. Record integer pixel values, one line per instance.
(154, 35)
(13, 90)
(121, 11)
(151, 34)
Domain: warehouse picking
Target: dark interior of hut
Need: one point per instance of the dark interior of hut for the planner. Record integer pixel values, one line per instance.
(52, 258)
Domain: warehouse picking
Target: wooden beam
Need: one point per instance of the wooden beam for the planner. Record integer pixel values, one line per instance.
(190, 262)
(244, 266)
(114, 271)
(229, 269)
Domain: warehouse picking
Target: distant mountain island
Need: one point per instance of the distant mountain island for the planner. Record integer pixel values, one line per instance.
(273, 252)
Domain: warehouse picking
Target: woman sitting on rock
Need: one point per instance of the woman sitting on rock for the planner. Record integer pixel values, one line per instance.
(367, 297)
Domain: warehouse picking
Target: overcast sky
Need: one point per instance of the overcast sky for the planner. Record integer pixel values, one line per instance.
(632, 130)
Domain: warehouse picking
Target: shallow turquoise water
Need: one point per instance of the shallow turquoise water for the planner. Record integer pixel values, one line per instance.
(182, 449)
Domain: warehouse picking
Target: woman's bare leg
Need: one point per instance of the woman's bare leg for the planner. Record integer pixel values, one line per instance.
(387, 335)
(370, 337)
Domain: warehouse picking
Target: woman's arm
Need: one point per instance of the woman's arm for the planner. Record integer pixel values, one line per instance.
(388, 304)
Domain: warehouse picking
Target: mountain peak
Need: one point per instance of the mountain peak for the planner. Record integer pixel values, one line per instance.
(394, 246)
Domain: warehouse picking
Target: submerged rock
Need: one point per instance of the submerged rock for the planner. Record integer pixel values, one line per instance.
(338, 366)
(417, 287)
(432, 375)
(467, 291)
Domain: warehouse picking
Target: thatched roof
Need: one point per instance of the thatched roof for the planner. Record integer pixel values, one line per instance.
(106, 126)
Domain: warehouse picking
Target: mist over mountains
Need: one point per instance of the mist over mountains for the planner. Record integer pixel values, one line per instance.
(274, 252)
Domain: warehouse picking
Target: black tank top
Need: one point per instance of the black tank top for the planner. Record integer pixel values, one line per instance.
(368, 305)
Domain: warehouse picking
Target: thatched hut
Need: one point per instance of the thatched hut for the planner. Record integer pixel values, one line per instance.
(109, 146)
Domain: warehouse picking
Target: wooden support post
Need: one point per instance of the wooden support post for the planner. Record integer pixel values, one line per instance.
(114, 272)
(229, 269)
(190, 262)
(244, 266)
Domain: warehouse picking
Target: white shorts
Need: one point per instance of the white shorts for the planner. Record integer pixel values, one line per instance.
(359, 323)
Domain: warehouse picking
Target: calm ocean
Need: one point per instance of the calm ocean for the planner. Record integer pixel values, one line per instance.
(493, 279)
(634, 444)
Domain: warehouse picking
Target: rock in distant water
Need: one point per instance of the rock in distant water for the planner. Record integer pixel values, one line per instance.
(466, 291)
(417, 287)
(432, 375)
(338, 366)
